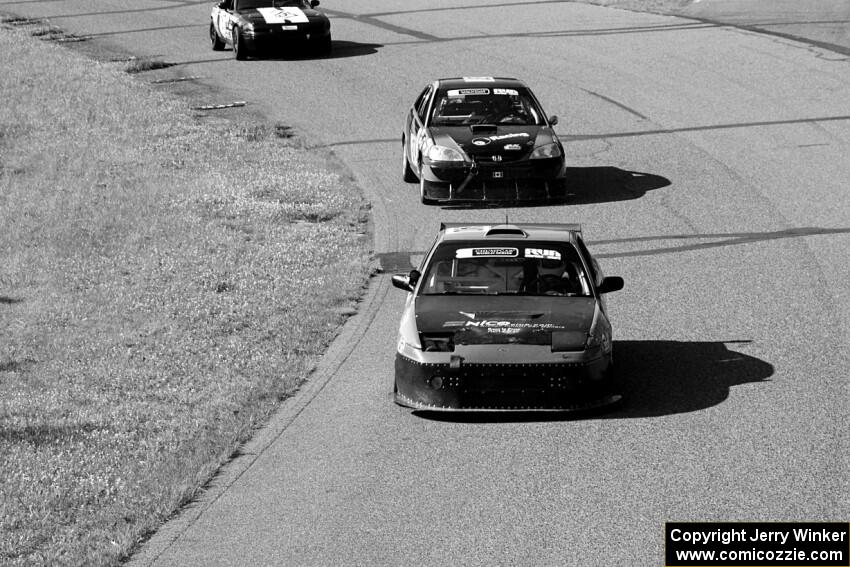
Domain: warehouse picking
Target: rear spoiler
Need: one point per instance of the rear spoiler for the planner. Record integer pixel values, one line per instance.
(566, 227)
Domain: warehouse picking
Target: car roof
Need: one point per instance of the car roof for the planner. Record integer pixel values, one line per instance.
(558, 232)
(466, 82)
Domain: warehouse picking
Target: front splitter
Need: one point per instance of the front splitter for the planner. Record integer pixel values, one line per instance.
(597, 403)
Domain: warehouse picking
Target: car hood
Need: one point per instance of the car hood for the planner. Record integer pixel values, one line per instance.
(279, 15)
(482, 139)
(499, 319)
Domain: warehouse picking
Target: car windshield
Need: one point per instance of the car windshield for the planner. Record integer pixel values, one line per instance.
(248, 4)
(459, 107)
(506, 268)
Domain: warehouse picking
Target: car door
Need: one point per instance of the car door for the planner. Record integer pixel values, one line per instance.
(224, 20)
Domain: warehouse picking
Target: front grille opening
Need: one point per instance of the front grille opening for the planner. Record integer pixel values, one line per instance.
(437, 342)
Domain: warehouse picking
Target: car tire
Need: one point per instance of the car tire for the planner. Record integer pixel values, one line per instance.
(616, 385)
(408, 174)
(217, 43)
(324, 46)
(558, 191)
(240, 52)
(422, 196)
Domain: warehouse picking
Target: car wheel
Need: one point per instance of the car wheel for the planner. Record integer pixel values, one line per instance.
(239, 49)
(325, 46)
(422, 195)
(408, 174)
(558, 191)
(616, 384)
(217, 44)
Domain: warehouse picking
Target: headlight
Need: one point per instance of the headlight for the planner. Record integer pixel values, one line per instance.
(547, 151)
(248, 27)
(442, 153)
(408, 334)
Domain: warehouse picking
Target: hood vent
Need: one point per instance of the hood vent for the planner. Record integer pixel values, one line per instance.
(506, 230)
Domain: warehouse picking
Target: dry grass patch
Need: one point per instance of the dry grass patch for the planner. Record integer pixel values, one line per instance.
(164, 283)
(142, 64)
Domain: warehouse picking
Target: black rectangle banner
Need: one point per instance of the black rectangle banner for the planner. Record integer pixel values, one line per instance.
(757, 544)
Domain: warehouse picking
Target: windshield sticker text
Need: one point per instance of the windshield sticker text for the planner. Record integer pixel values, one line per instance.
(495, 324)
(464, 92)
(542, 253)
(484, 252)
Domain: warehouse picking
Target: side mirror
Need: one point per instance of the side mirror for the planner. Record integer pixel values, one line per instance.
(406, 282)
(553, 120)
(611, 283)
(314, 3)
(402, 282)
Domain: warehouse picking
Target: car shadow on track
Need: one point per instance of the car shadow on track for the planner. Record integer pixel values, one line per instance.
(340, 50)
(658, 378)
(670, 377)
(588, 185)
(585, 186)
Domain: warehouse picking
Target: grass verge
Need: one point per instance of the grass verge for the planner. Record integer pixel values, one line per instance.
(165, 281)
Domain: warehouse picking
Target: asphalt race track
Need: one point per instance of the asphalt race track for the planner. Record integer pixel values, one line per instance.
(711, 171)
(823, 23)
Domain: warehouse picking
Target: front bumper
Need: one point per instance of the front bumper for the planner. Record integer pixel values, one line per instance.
(272, 40)
(551, 386)
(487, 180)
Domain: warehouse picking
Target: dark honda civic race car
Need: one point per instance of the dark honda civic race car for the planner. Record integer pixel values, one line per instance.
(506, 317)
(254, 26)
(481, 139)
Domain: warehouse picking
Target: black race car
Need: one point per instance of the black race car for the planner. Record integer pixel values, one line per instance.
(481, 139)
(506, 317)
(252, 26)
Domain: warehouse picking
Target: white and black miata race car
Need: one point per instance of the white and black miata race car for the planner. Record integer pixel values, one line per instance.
(506, 317)
(482, 139)
(255, 26)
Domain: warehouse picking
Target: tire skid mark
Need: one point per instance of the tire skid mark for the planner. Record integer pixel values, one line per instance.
(617, 104)
(374, 21)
